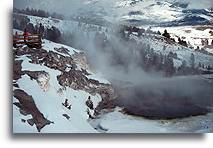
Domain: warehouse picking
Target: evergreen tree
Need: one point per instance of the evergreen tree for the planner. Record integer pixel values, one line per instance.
(15, 24)
(166, 34)
(53, 34)
(182, 70)
(30, 28)
(192, 61)
(158, 32)
(164, 47)
(169, 66)
(209, 67)
(179, 40)
(199, 65)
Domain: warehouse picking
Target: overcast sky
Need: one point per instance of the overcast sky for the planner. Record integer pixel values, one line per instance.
(68, 6)
(60, 6)
(199, 3)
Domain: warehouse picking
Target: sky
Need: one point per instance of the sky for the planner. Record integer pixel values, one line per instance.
(199, 3)
(60, 6)
(65, 6)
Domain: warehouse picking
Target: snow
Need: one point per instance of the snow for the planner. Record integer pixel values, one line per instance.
(49, 101)
(49, 22)
(64, 26)
(18, 125)
(150, 10)
(191, 34)
(117, 122)
(45, 92)
(120, 9)
(177, 63)
(116, 11)
(183, 53)
(18, 31)
(99, 77)
(49, 46)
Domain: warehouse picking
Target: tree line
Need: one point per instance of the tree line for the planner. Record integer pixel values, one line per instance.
(38, 12)
(52, 34)
(148, 59)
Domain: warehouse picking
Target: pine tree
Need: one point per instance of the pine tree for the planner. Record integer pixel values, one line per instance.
(182, 70)
(53, 34)
(179, 40)
(30, 28)
(166, 34)
(41, 29)
(158, 32)
(192, 61)
(169, 66)
(199, 65)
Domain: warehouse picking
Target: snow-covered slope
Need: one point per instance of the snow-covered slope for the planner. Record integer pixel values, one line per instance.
(117, 122)
(42, 83)
(144, 12)
(49, 81)
(128, 10)
(160, 45)
(193, 35)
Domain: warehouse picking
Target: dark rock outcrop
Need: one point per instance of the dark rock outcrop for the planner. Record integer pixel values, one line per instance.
(27, 105)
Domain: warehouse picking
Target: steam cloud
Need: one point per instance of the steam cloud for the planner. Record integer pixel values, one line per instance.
(147, 94)
(150, 94)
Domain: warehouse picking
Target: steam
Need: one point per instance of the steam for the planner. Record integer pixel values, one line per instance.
(149, 94)
(169, 97)
(141, 93)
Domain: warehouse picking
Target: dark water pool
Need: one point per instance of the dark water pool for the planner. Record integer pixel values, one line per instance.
(168, 98)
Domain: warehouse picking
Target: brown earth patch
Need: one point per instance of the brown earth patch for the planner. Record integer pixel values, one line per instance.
(27, 106)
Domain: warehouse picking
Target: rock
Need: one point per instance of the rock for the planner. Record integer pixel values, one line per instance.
(15, 85)
(17, 73)
(27, 104)
(62, 50)
(43, 81)
(41, 77)
(23, 120)
(70, 76)
(81, 60)
(17, 104)
(66, 116)
(23, 112)
(35, 74)
(30, 122)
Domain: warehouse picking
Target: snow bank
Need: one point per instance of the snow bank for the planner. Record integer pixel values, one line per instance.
(117, 122)
(49, 102)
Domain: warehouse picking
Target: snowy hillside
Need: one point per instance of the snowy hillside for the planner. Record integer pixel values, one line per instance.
(144, 12)
(190, 34)
(193, 35)
(39, 94)
(38, 80)
(183, 53)
(139, 80)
